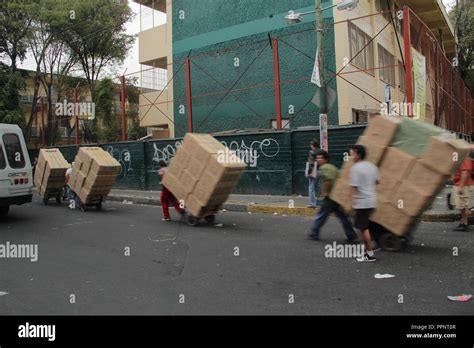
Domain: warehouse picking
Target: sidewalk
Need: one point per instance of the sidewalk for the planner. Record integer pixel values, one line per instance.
(289, 205)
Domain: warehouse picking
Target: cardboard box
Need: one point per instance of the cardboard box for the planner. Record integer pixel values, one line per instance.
(382, 129)
(341, 194)
(409, 199)
(170, 181)
(392, 218)
(204, 190)
(230, 170)
(427, 180)
(204, 172)
(94, 173)
(375, 151)
(201, 146)
(445, 155)
(50, 171)
(188, 181)
(396, 164)
(345, 169)
(386, 188)
(195, 206)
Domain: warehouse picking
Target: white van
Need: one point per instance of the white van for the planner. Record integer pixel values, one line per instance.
(16, 180)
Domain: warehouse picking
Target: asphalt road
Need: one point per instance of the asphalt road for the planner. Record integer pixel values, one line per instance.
(83, 254)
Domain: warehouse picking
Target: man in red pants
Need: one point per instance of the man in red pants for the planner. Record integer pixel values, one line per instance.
(167, 197)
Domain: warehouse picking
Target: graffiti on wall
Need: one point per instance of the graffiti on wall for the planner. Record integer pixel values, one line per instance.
(166, 153)
(124, 157)
(249, 153)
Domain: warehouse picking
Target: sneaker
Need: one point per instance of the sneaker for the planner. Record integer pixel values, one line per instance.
(166, 219)
(366, 258)
(461, 228)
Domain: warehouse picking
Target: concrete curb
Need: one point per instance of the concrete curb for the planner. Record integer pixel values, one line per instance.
(271, 209)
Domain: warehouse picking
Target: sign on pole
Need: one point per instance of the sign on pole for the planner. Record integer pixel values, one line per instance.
(323, 131)
(315, 77)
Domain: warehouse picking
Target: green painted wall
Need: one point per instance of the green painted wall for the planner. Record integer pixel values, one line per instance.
(280, 158)
(131, 156)
(240, 29)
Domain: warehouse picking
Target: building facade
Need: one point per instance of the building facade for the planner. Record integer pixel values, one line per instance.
(221, 63)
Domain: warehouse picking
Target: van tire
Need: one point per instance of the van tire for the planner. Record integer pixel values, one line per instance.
(4, 210)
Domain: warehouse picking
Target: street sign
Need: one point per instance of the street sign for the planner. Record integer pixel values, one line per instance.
(323, 131)
(330, 98)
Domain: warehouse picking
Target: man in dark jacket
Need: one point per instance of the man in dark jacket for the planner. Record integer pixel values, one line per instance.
(311, 173)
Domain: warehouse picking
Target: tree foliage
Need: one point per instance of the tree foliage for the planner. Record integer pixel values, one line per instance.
(463, 18)
(10, 85)
(96, 35)
(15, 29)
(108, 118)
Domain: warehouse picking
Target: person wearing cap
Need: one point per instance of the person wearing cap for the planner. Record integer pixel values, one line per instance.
(166, 196)
(311, 173)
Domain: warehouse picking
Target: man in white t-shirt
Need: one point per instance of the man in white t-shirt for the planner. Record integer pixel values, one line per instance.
(364, 176)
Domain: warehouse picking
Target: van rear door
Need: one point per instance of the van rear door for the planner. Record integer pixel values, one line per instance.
(16, 180)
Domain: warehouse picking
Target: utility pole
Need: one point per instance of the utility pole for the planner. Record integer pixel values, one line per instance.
(319, 38)
(124, 118)
(76, 118)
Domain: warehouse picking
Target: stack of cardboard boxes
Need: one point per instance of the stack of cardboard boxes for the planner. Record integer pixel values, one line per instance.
(50, 171)
(94, 172)
(203, 174)
(408, 184)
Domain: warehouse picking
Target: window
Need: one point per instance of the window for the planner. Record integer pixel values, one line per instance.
(2, 159)
(357, 41)
(386, 60)
(13, 150)
(285, 123)
(384, 6)
(401, 76)
(359, 116)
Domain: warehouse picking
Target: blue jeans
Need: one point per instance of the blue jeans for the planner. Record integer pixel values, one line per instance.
(328, 207)
(314, 190)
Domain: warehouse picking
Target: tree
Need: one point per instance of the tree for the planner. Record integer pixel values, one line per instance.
(48, 53)
(10, 85)
(107, 118)
(15, 29)
(96, 35)
(462, 16)
(56, 63)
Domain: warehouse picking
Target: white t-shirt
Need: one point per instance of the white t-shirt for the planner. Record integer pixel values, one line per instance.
(364, 175)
